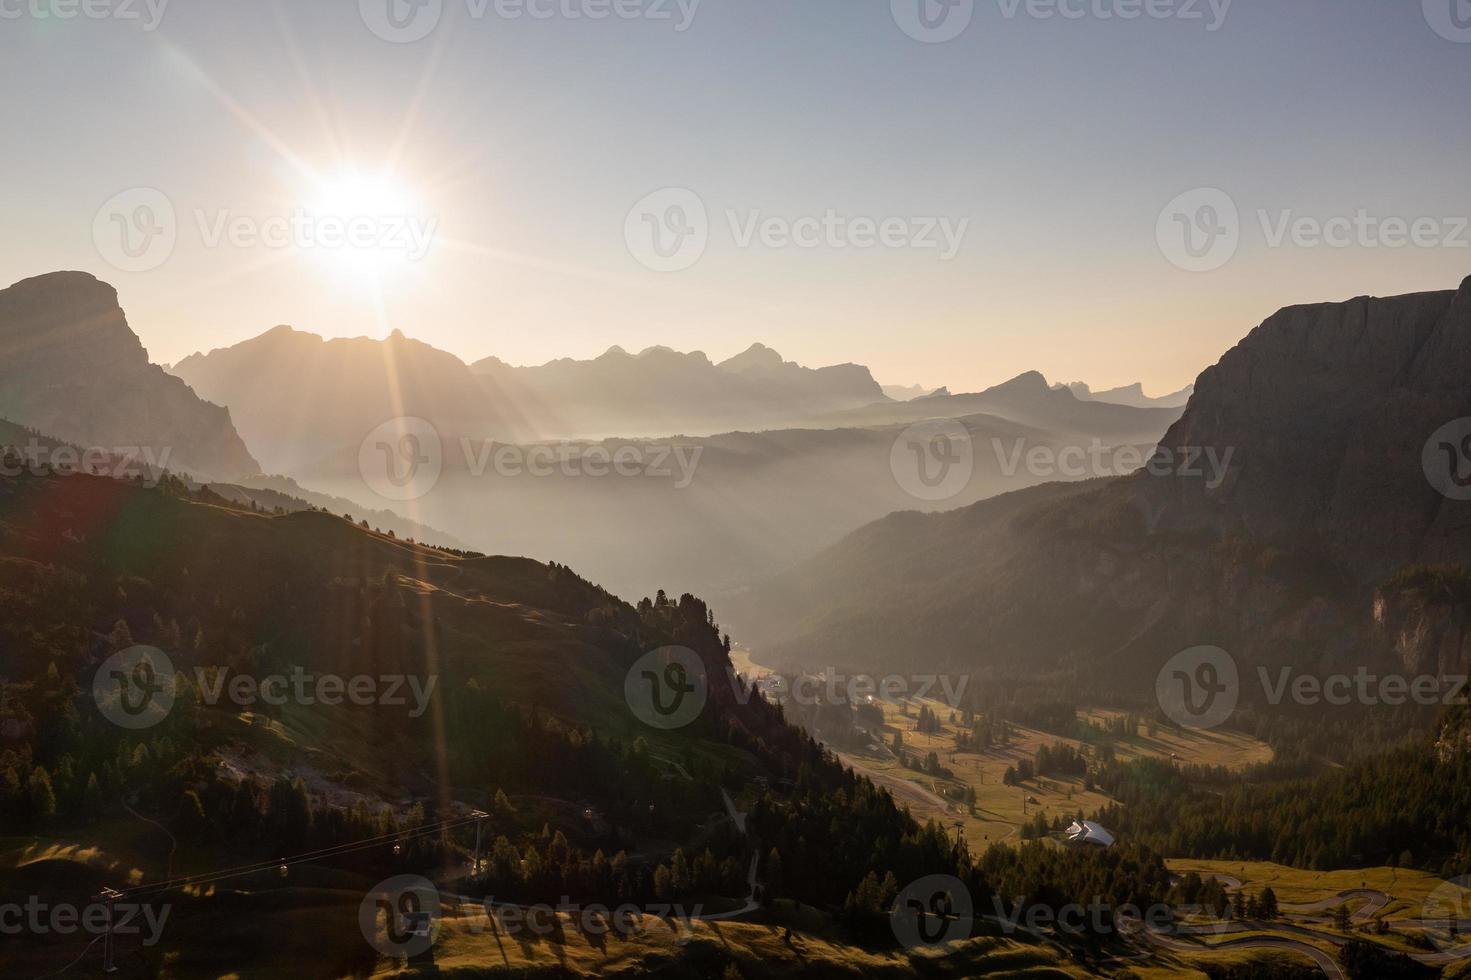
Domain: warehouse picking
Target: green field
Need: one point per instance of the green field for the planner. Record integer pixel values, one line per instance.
(1002, 810)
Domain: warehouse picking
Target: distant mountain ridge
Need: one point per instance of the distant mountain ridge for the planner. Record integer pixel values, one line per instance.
(1312, 549)
(72, 367)
(297, 397)
(1132, 395)
(347, 387)
(904, 393)
(1028, 400)
(661, 392)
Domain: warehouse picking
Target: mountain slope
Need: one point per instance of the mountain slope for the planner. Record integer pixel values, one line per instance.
(1293, 558)
(522, 667)
(70, 366)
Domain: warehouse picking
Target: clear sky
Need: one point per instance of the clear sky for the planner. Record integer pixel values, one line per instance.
(519, 145)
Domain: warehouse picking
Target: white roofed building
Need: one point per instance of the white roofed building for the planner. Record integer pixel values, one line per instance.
(1088, 832)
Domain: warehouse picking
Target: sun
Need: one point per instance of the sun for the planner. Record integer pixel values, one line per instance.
(366, 224)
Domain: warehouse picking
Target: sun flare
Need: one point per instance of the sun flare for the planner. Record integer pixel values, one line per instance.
(367, 225)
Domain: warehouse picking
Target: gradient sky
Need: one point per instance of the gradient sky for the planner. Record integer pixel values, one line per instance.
(530, 140)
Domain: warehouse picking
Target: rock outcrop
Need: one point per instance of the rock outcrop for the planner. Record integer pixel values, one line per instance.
(71, 367)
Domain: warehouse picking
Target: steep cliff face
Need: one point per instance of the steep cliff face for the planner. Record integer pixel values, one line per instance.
(1328, 409)
(70, 366)
(1297, 526)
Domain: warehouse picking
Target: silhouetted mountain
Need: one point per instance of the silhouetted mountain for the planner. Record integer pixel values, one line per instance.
(1313, 544)
(71, 366)
(495, 684)
(1026, 399)
(298, 398)
(1132, 395)
(904, 393)
(661, 392)
(29, 450)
